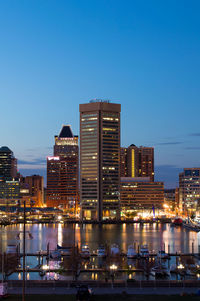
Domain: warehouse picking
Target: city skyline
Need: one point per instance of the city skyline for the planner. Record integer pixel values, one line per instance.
(144, 56)
(167, 174)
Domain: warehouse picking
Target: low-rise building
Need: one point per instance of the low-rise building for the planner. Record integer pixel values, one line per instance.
(189, 189)
(141, 193)
(171, 199)
(9, 192)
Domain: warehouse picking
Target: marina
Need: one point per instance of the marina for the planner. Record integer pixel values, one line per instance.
(104, 252)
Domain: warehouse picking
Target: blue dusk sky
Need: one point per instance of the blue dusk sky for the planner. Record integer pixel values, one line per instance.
(144, 54)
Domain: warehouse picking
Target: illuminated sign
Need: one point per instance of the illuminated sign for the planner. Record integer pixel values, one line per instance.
(53, 158)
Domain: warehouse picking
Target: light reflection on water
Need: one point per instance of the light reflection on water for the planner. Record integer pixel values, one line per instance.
(60, 234)
(155, 235)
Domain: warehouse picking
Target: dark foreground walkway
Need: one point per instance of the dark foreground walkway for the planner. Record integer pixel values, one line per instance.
(107, 291)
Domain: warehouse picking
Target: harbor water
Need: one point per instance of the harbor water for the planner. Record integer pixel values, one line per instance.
(157, 236)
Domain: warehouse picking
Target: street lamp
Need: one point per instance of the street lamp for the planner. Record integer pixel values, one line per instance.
(180, 266)
(45, 267)
(113, 269)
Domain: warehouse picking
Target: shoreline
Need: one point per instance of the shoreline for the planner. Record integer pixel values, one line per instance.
(158, 221)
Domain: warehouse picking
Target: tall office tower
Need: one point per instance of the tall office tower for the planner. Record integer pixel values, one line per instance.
(66, 144)
(132, 161)
(129, 161)
(189, 190)
(123, 162)
(137, 162)
(9, 186)
(36, 189)
(100, 160)
(53, 190)
(146, 162)
(62, 170)
(8, 164)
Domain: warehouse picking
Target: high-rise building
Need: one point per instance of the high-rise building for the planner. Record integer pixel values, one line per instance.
(66, 144)
(123, 162)
(8, 164)
(36, 189)
(62, 170)
(9, 185)
(100, 160)
(132, 161)
(146, 162)
(189, 190)
(137, 162)
(53, 196)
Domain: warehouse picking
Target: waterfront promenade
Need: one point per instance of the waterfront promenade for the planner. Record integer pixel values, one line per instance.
(169, 287)
(107, 291)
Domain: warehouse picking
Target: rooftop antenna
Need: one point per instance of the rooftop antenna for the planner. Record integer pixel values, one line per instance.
(100, 100)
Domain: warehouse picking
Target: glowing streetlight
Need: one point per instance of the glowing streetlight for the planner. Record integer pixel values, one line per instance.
(45, 267)
(180, 266)
(113, 268)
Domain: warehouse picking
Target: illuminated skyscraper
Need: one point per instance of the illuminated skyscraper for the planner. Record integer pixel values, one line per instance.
(123, 162)
(132, 161)
(66, 144)
(100, 160)
(9, 186)
(146, 162)
(8, 164)
(137, 162)
(62, 170)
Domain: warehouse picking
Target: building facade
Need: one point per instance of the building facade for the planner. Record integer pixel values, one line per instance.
(8, 164)
(141, 193)
(137, 162)
(171, 199)
(189, 190)
(9, 190)
(146, 162)
(36, 189)
(62, 171)
(100, 160)
(9, 184)
(123, 162)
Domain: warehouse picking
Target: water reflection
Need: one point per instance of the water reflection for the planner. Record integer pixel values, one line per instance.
(157, 236)
(60, 234)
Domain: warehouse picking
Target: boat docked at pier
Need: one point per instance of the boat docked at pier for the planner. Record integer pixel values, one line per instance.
(131, 253)
(85, 251)
(12, 249)
(55, 255)
(191, 225)
(101, 251)
(114, 250)
(177, 221)
(160, 271)
(162, 254)
(144, 251)
(66, 251)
